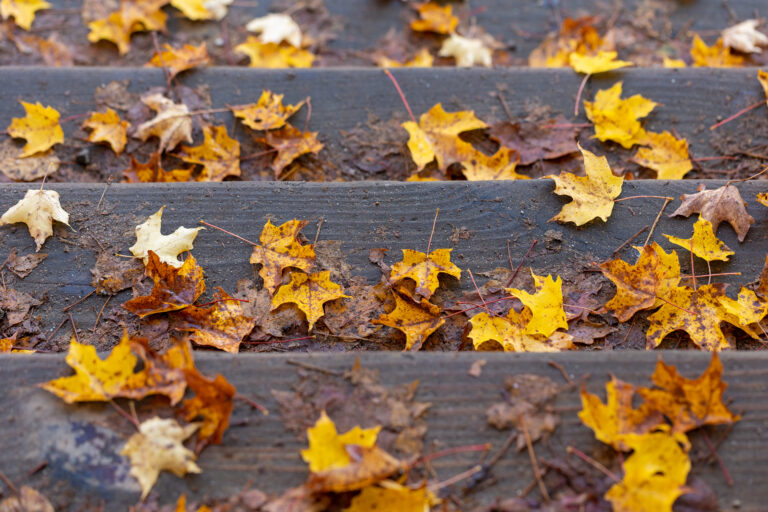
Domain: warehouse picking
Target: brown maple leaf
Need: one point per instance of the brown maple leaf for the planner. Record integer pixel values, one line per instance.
(718, 205)
(213, 401)
(534, 142)
(416, 321)
(290, 144)
(153, 172)
(280, 249)
(219, 154)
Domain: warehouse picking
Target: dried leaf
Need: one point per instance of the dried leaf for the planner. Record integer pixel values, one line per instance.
(153, 172)
(162, 374)
(27, 500)
(213, 401)
(667, 155)
(327, 448)
(22, 266)
(368, 466)
(272, 55)
(500, 166)
(107, 127)
(746, 311)
(26, 169)
(575, 36)
(416, 321)
(467, 51)
(218, 8)
(276, 28)
(171, 125)
(174, 289)
(22, 11)
(290, 144)
(51, 51)
(167, 247)
(422, 59)
(718, 205)
(16, 305)
(435, 18)
(176, 61)
(38, 210)
(280, 249)
(397, 497)
(533, 142)
(600, 63)
(268, 114)
(510, 332)
(617, 119)
(40, 127)
(745, 37)
(673, 63)
(194, 10)
(423, 269)
(716, 56)
(219, 154)
(546, 305)
(592, 195)
(308, 292)
(157, 447)
(133, 16)
(703, 243)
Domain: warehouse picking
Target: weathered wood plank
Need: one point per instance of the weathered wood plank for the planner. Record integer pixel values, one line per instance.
(38, 427)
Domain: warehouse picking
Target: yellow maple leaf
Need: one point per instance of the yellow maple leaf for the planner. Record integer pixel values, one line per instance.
(182, 59)
(268, 113)
(644, 284)
(273, 55)
(716, 56)
(616, 119)
(157, 447)
(703, 243)
(593, 64)
(422, 59)
(38, 210)
(327, 448)
(500, 166)
(290, 144)
(467, 51)
(309, 292)
(667, 155)
(280, 249)
(219, 154)
(397, 497)
(510, 332)
(435, 18)
(153, 172)
(673, 63)
(416, 321)
(575, 36)
(746, 311)
(690, 403)
(167, 247)
(762, 77)
(40, 127)
(171, 125)
(133, 16)
(112, 28)
(423, 269)
(614, 421)
(107, 127)
(193, 9)
(22, 11)
(592, 195)
(546, 305)
(436, 136)
(654, 475)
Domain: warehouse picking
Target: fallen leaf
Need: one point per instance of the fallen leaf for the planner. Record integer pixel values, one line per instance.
(112, 274)
(26, 169)
(327, 448)
(272, 55)
(718, 205)
(690, 403)
(546, 305)
(290, 144)
(157, 447)
(593, 195)
(112, 28)
(716, 56)
(107, 127)
(176, 61)
(510, 333)
(745, 37)
(423, 269)
(27, 500)
(219, 154)
(703, 243)
(162, 374)
(174, 288)
(476, 368)
(280, 249)
(133, 16)
(673, 63)
(22, 266)
(422, 59)
(194, 10)
(575, 36)
(667, 155)
(22, 11)
(276, 28)
(153, 172)
(593, 64)
(213, 401)
(171, 125)
(500, 166)
(40, 127)
(746, 312)
(416, 321)
(38, 210)
(308, 292)
(16, 304)
(217, 8)
(616, 119)
(534, 141)
(467, 51)
(397, 497)
(51, 50)
(435, 18)
(268, 114)
(167, 247)
(369, 465)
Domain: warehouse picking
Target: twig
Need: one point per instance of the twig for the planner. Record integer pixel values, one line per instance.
(562, 371)
(720, 462)
(98, 317)
(78, 302)
(319, 225)
(456, 478)
(309, 113)
(434, 223)
(222, 300)
(8, 483)
(534, 462)
(402, 96)
(656, 221)
(162, 62)
(737, 114)
(127, 416)
(253, 404)
(109, 182)
(450, 451)
(227, 232)
(592, 462)
(514, 274)
(314, 368)
(50, 337)
(74, 327)
(279, 341)
(578, 97)
(629, 241)
(643, 197)
(505, 106)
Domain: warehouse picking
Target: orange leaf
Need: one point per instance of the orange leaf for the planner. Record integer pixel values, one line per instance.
(423, 269)
(218, 154)
(309, 292)
(40, 127)
(162, 373)
(176, 61)
(108, 127)
(290, 144)
(435, 18)
(268, 114)
(416, 321)
(281, 249)
(213, 401)
(153, 172)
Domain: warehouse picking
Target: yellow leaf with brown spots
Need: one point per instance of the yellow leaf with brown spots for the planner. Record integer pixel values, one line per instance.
(510, 333)
(38, 210)
(616, 119)
(268, 113)
(273, 55)
(153, 172)
(40, 128)
(746, 311)
(280, 249)
(716, 56)
(435, 18)
(182, 59)
(667, 155)
(22, 11)
(703, 243)
(107, 127)
(500, 166)
(290, 144)
(308, 292)
(219, 154)
(546, 305)
(327, 448)
(593, 195)
(416, 321)
(423, 269)
(397, 497)
(422, 59)
(213, 401)
(642, 285)
(593, 64)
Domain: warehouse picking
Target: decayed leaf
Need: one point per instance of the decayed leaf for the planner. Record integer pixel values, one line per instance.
(38, 210)
(615, 421)
(416, 321)
(500, 166)
(667, 155)
(213, 401)
(22, 11)
(26, 169)
(745, 37)
(716, 56)
(163, 374)
(107, 127)
(40, 127)
(171, 125)
(327, 448)
(290, 144)
(309, 292)
(546, 305)
(157, 447)
(435, 18)
(575, 36)
(219, 154)
(532, 142)
(276, 28)
(176, 61)
(268, 114)
(510, 332)
(218, 8)
(467, 51)
(273, 55)
(153, 172)
(397, 497)
(718, 205)
(690, 403)
(617, 119)
(27, 500)
(644, 284)
(174, 289)
(592, 195)
(22, 266)
(280, 249)
(422, 59)
(167, 247)
(222, 325)
(16, 304)
(423, 269)
(193, 9)
(703, 243)
(133, 16)
(600, 63)
(654, 475)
